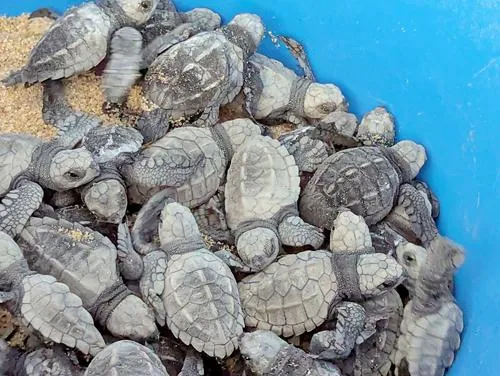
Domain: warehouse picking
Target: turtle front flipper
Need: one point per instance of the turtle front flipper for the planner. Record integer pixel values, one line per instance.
(294, 232)
(152, 283)
(338, 343)
(129, 261)
(308, 152)
(71, 125)
(18, 205)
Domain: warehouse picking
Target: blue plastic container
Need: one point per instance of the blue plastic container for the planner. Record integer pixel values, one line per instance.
(436, 65)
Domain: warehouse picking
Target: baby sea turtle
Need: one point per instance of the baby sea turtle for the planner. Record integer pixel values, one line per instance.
(377, 128)
(261, 196)
(86, 261)
(43, 303)
(204, 72)
(27, 164)
(276, 92)
(78, 40)
(432, 321)
(190, 288)
(365, 180)
(267, 354)
(188, 163)
(51, 361)
(164, 19)
(296, 293)
(126, 358)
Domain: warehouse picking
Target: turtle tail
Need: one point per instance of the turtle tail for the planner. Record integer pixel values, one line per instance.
(13, 78)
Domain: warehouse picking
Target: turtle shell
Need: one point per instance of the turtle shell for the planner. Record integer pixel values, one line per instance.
(15, 156)
(77, 256)
(292, 295)
(262, 179)
(200, 72)
(361, 179)
(202, 304)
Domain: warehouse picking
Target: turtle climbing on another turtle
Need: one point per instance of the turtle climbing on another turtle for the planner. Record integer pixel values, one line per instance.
(365, 179)
(273, 91)
(86, 261)
(266, 354)
(191, 289)
(197, 76)
(261, 196)
(126, 358)
(78, 40)
(44, 304)
(432, 320)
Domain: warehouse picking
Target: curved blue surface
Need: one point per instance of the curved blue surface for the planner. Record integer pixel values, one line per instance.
(435, 65)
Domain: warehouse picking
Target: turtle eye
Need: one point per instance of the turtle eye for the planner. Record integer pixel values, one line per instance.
(408, 258)
(72, 175)
(145, 5)
(327, 108)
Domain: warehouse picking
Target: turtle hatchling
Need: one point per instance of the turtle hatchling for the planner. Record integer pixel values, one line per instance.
(276, 92)
(86, 261)
(78, 40)
(126, 358)
(296, 293)
(432, 321)
(27, 164)
(44, 304)
(365, 180)
(377, 128)
(206, 71)
(266, 354)
(190, 288)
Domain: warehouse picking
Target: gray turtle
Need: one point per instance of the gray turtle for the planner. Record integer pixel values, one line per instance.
(204, 72)
(276, 92)
(432, 320)
(261, 196)
(190, 288)
(78, 40)
(377, 128)
(43, 361)
(86, 261)
(27, 164)
(188, 163)
(126, 358)
(296, 293)
(266, 354)
(44, 304)
(365, 180)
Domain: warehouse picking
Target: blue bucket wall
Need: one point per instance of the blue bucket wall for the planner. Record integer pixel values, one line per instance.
(435, 65)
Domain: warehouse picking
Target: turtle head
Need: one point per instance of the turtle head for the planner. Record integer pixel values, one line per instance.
(107, 199)
(323, 99)
(413, 153)
(260, 349)
(258, 247)
(378, 273)
(136, 11)
(412, 258)
(71, 169)
(252, 24)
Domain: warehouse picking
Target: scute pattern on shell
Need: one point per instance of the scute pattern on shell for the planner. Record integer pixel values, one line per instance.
(290, 296)
(202, 303)
(262, 179)
(360, 179)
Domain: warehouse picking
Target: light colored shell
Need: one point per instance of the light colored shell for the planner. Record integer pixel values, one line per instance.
(186, 142)
(202, 303)
(262, 179)
(428, 343)
(50, 308)
(126, 358)
(49, 361)
(350, 233)
(10, 251)
(15, 156)
(290, 296)
(277, 83)
(174, 79)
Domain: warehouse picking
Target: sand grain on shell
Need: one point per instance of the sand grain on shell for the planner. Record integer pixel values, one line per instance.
(21, 107)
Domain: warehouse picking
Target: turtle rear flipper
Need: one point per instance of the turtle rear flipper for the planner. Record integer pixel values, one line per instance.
(129, 261)
(152, 283)
(51, 309)
(17, 207)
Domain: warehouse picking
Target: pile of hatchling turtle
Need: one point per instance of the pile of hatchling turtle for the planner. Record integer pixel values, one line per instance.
(178, 243)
